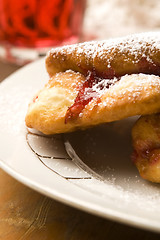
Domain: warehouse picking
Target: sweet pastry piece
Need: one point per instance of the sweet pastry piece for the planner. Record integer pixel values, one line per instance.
(97, 82)
(146, 144)
(47, 110)
(138, 53)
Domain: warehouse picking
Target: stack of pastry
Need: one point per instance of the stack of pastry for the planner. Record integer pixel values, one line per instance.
(104, 81)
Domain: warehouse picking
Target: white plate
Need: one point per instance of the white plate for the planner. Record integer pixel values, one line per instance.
(105, 183)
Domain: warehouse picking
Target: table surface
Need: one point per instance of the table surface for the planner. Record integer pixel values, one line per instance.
(27, 214)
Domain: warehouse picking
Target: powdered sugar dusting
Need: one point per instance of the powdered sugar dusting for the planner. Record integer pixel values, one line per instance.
(132, 87)
(103, 85)
(142, 201)
(12, 110)
(138, 46)
(112, 53)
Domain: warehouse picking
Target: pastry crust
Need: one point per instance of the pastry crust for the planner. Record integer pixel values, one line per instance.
(137, 53)
(46, 111)
(146, 145)
(132, 95)
(124, 84)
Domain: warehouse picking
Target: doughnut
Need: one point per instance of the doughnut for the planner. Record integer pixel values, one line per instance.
(146, 145)
(98, 82)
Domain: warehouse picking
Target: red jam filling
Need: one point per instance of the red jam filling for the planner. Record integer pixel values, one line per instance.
(86, 94)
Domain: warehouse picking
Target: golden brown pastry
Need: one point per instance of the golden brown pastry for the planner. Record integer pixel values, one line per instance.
(138, 53)
(46, 112)
(146, 144)
(97, 82)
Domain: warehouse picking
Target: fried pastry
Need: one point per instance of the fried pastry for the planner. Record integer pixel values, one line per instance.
(97, 82)
(138, 53)
(46, 111)
(146, 144)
